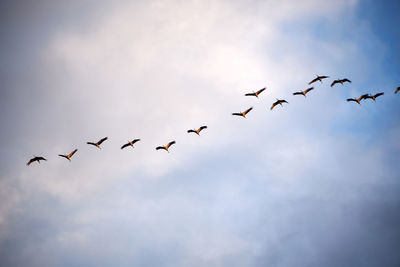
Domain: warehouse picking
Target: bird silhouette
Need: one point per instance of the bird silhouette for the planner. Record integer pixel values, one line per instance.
(68, 157)
(365, 96)
(198, 130)
(341, 81)
(243, 114)
(373, 97)
(256, 93)
(130, 143)
(98, 143)
(319, 78)
(278, 102)
(397, 89)
(166, 147)
(35, 158)
(303, 92)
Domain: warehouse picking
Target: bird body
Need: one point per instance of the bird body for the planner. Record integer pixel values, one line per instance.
(278, 102)
(303, 92)
(68, 157)
(341, 81)
(198, 130)
(35, 158)
(166, 147)
(319, 78)
(358, 100)
(373, 97)
(242, 114)
(256, 93)
(98, 143)
(130, 143)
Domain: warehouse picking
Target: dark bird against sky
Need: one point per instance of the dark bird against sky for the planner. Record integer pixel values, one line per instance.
(303, 92)
(365, 96)
(242, 114)
(130, 143)
(68, 157)
(256, 93)
(373, 97)
(319, 78)
(198, 130)
(98, 143)
(38, 159)
(278, 102)
(166, 147)
(341, 81)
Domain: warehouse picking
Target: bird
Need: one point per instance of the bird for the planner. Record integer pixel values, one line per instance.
(303, 92)
(319, 78)
(130, 143)
(398, 89)
(365, 96)
(278, 102)
(198, 130)
(373, 97)
(341, 81)
(98, 143)
(35, 158)
(256, 93)
(243, 114)
(166, 147)
(68, 157)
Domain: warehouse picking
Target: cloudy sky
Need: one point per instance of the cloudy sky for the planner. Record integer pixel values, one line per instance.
(313, 183)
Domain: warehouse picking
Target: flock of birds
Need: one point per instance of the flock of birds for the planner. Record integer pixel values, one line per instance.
(241, 114)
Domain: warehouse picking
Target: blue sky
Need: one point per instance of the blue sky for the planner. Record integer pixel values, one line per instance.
(313, 183)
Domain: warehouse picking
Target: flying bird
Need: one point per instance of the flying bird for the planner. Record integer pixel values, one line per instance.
(130, 143)
(303, 92)
(256, 93)
(198, 130)
(319, 78)
(243, 114)
(341, 81)
(98, 143)
(35, 158)
(278, 102)
(365, 96)
(398, 89)
(373, 97)
(166, 147)
(68, 157)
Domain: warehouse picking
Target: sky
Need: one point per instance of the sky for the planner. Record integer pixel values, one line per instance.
(313, 183)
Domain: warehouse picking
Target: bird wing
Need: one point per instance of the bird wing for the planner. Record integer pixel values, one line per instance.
(191, 131)
(351, 99)
(316, 79)
(379, 94)
(323, 77)
(170, 144)
(397, 89)
(102, 140)
(125, 145)
(135, 140)
(160, 147)
(237, 114)
(364, 96)
(308, 90)
(248, 110)
(40, 158)
(30, 161)
(261, 90)
(72, 153)
(202, 128)
(274, 104)
(346, 80)
(297, 93)
(90, 143)
(64, 156)
(334, 82)
(250, 94)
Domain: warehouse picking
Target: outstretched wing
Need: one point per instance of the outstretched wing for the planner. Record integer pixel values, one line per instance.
(323, 77)
(191, 131)
(398, 89)
(248, 110)
(160, 147)
(364, 96)
(334, 82)
(261, 90)
(313, 81)
(90, 143)
(102, 140)
(250, 94)
(125, 145)
(30, 161)
(135, 140)
(237, 114)
(351, 99)
(64, 156)
(378, 94)
(202, 128)
(170, 144)
(72, 153)
(346, 80)
(298, 93)
(308, 90)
